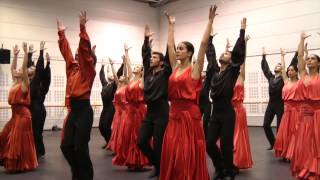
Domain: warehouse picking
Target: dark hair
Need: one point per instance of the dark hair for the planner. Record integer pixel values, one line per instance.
(161, 57)
(295, 67)
(190, 48)
(317, 57)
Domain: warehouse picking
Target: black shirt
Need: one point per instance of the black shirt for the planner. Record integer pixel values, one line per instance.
(39, 85)
(155, 84)
(108, 89)
(212, 63)
(222, 83)
(275, 83)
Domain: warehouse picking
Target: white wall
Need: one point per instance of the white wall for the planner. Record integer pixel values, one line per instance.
(111, 23)
(271, 23)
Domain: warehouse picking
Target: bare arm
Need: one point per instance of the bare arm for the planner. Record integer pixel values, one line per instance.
(14, 62)
(301, 60)
(171, 43)
(116, 79)
(198, 66)
(284, 73)
(243, 66)
(126, 50)
(25, 79)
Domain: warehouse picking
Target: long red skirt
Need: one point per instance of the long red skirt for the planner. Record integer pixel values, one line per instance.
(285, 139)
(241, 152)
(17, 149)
(184, 151)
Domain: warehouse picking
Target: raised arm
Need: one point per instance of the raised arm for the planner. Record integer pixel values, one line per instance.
(102, 76)
(120, 71)
(129, 67)
(198, 65)
(243, 66)
(146, 49)
(64, 45)
(30, 53)
(25, 79)
(116, 79)
(283, 63)
(239, 50)
(264, 66)
(171, 43)
(40, 63)
(301, 60)
(14, 62)
(46, 77)
(86, 60)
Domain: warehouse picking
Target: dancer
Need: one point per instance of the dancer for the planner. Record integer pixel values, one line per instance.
(305, 163)
(39, 87)
(17, 149)
(241, 151)
(80, 76)
(222, 121)
(156, 74)
(109, 88)
(183, 150)
(292, 100)
(135, 159)
(204, 102)
(275, 105)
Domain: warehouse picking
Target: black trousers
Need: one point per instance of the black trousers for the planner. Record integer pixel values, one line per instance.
(273, 108)
(74, 145)
(39, 114)
(221, 125)
(205, 109)
(105, 122)
(154, 125)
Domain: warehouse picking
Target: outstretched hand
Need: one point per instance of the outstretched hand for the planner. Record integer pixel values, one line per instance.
(60, 26)
(147, 31)
(48, 57)
(93, 49)
(247, 38)
(228, 45)
(83, 17)
(263, 50)
(126, 47)
(171, 19)
(42, 43)
(25, 47)
(16, 50)
(31, 49)
(110, 61)
(244, 23)
(304, 36)
(283, 52)
(213, 12)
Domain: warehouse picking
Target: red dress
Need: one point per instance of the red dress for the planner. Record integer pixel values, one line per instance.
(17, 149)
(241, 152)
(119, 103)
(285, 139)
(136, 110)
(305, 163)
(183, 154)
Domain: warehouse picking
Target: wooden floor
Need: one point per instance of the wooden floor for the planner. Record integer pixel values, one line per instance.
(54, 167)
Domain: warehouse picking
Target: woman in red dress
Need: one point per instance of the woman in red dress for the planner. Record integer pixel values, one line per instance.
(136, 110)
(305, 163)
(241, 150)
(292, 98)
(183, 154)
(17, 149)
(120, 104)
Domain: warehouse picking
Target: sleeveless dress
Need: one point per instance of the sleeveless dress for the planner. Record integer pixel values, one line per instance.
(17, 149)
(136, 112)
(241, 152)
(183, 151)
(285, 139)
(306, 156)
(119, 103)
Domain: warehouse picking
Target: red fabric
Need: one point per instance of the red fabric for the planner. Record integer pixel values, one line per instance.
(136, 112)
(80, 72)
(17, 149)
(305, 163)
(183, 151)
(119, 103)
(241, 153)
(285, 139)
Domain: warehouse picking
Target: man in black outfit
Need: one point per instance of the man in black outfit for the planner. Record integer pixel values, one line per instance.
(204, 102)
(275, 105)
(156, 75)
(221, 124)
(39, 87)
(107, 94)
